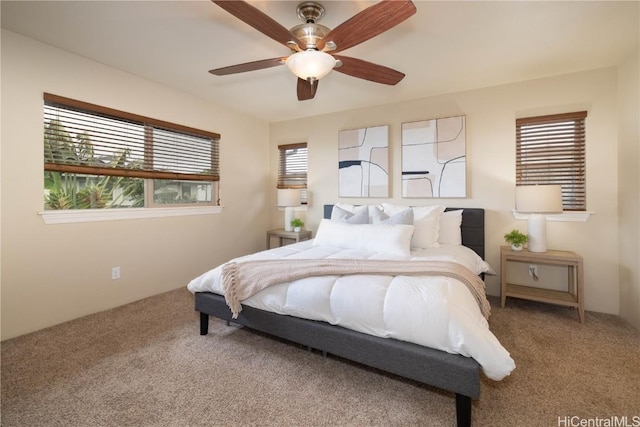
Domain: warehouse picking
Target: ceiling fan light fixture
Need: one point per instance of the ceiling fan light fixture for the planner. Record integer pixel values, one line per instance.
(311, 64)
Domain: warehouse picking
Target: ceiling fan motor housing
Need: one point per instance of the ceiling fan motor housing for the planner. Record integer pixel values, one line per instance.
(310, 12)
(310, 34)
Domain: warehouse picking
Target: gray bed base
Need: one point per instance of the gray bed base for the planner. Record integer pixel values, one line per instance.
(450, 372)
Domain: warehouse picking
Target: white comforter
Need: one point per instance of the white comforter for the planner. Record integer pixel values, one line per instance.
(436, 312)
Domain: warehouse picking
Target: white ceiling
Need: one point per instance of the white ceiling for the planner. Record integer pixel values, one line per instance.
(446, 46)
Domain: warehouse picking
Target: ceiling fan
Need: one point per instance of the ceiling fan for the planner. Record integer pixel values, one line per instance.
(310, 42)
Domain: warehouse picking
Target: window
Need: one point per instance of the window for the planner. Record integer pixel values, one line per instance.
(551, 150)
(292, 169)
(96, 157)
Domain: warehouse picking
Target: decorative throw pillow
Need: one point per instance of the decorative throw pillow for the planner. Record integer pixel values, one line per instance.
(402, 217)
(359, 216)
(450, 232)
(347, 207)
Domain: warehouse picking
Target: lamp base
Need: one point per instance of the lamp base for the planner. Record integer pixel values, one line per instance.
(537, 230)
(288, 216)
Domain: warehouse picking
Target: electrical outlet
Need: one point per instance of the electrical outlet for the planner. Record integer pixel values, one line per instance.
(533, 271)
(115, 273)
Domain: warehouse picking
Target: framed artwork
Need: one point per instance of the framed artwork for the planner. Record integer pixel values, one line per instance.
(363, 162)
(434, 160)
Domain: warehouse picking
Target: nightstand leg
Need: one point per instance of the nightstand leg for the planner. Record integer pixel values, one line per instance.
(503, 281)
(580, 290)
(571, 280)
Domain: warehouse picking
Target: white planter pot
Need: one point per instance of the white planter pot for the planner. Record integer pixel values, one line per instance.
(516, 247)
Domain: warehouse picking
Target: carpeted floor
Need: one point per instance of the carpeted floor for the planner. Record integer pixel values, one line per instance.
(145, 364)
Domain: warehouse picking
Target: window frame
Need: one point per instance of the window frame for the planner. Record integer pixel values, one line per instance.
(549, 150)
(168, 135)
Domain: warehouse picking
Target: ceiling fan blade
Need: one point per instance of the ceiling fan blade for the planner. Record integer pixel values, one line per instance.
(258, 20)
(306, 90)
(368, 71)
(369, 23)
(248, 66)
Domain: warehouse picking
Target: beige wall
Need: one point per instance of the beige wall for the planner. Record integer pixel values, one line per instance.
(490, 115)
(629, 189)
(53, 273)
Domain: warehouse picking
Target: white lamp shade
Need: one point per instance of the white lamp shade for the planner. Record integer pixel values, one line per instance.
(311, 64)
(539, 198)
(288, 197)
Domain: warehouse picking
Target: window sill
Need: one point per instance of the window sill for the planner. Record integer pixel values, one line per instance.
(561, 217)
(301, 208)
(91, 215)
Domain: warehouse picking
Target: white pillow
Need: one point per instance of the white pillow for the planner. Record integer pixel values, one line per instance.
(382, 238)
(426, 220)
(402, 217)
(359, 215)
(450, 232)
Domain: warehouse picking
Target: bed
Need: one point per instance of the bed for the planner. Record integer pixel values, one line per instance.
(434, 365)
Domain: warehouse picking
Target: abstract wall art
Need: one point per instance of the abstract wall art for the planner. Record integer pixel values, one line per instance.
(363, 162)
(434, 158)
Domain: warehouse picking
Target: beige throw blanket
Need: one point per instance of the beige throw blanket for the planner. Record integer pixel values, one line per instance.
(240, 280)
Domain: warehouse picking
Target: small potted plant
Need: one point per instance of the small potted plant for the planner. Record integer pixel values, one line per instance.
(516, 239)
(297, 224)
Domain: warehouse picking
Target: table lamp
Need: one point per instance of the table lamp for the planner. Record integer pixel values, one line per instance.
(536, 201)
(288, 198)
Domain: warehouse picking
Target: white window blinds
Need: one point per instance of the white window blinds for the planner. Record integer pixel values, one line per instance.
(292, 168)
(551, 150)
(90, 139)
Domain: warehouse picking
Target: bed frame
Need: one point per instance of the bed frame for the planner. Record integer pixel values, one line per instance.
(450, 372)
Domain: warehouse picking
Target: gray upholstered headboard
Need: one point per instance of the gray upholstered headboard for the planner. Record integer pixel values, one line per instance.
(472, 227)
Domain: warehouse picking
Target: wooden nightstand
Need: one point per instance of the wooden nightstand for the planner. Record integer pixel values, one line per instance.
(573, 297)
(288, 235)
